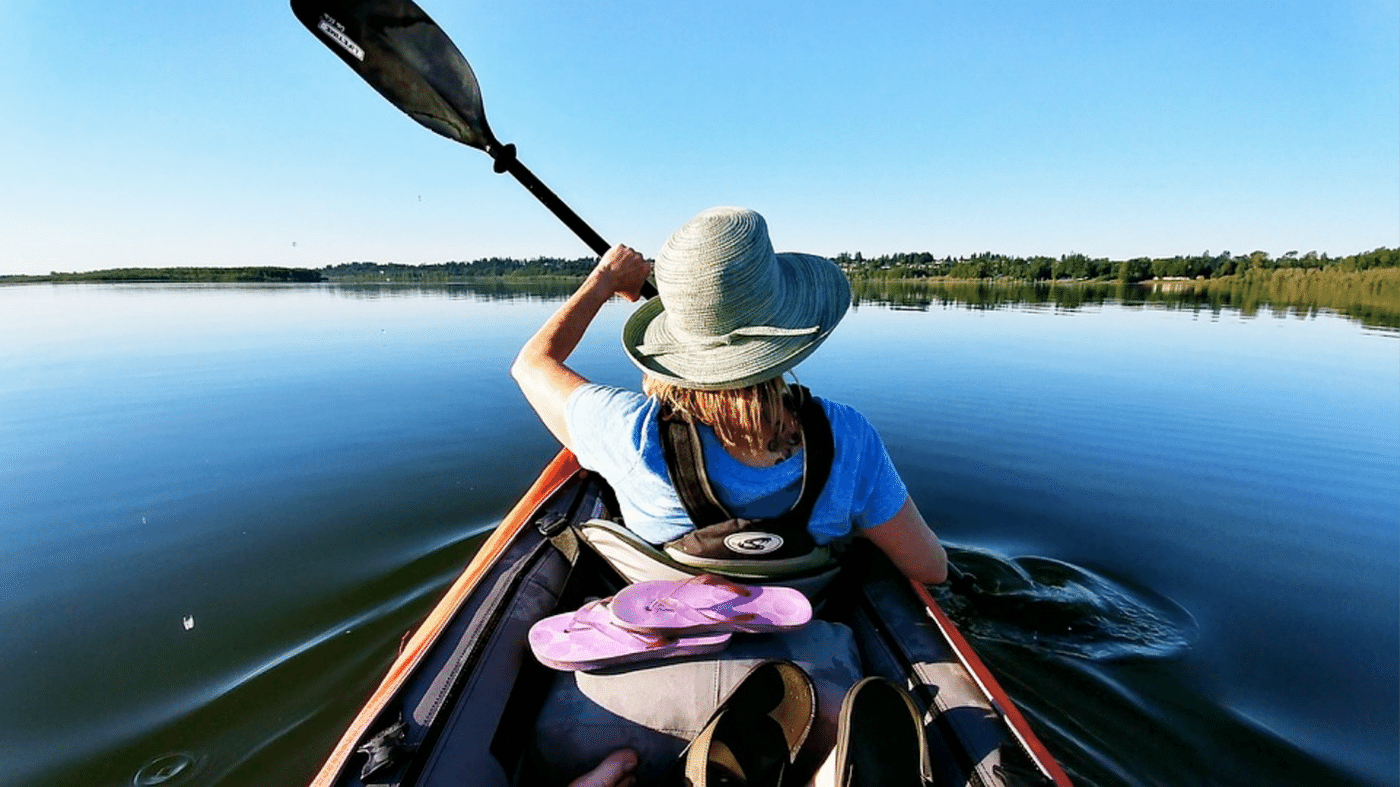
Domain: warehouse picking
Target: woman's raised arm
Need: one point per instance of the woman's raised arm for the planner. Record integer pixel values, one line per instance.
(539, 368)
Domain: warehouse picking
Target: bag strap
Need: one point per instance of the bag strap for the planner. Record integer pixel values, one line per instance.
(818, 453)
(685, 461)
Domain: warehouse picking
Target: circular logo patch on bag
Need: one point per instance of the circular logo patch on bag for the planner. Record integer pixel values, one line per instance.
(752, 544)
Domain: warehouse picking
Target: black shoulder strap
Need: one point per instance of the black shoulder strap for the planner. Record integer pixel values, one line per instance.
(818, 453)
(685, 460)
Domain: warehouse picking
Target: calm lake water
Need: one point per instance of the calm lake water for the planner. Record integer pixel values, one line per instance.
(221, 507)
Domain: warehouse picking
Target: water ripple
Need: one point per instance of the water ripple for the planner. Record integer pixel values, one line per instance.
(1051, 606)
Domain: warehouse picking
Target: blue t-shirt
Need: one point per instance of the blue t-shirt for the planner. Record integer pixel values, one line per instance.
(615, 433)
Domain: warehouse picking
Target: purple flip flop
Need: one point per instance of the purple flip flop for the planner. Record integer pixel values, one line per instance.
(707, 603)
(590, 639)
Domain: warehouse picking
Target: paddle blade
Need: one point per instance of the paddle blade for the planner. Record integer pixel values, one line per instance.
(395, 47)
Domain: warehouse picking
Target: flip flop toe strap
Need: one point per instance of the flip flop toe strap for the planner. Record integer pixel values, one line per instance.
(670, 603)
(622, 636)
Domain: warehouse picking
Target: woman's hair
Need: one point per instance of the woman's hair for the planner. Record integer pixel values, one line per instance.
(751, 418)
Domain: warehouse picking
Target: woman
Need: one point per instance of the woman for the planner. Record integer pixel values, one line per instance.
(731, 318)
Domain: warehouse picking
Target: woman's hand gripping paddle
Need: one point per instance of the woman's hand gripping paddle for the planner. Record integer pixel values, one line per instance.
(401, 52)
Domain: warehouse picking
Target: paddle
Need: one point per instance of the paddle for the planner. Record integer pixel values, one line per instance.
(961, 582)
(395, 47)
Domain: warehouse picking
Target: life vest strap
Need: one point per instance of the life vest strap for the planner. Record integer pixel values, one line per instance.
(718, 535)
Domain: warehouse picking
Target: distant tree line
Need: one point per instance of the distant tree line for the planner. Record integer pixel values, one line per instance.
(917, 265)
(1082, 267)
(890, 267)
(206, 275)
(490, 267)
(1371, 296)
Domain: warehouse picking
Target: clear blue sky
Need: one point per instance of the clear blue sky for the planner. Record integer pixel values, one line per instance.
(173, 132)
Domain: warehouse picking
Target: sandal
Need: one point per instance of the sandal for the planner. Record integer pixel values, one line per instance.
(590, 639)
(708, 603)
(881, 741)
(755, 734)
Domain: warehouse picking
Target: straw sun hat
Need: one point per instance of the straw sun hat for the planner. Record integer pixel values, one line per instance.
(730, 312)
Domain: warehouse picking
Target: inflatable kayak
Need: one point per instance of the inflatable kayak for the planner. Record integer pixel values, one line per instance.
(467, 702)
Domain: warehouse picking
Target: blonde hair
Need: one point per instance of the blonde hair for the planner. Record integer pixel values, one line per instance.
(752, 418)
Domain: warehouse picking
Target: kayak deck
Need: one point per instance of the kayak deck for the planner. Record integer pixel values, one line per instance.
(460, 704)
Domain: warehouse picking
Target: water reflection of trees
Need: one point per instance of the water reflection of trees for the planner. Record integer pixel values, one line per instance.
(1373, 300)
(540, 289)
(923, 295)
(1370, 297)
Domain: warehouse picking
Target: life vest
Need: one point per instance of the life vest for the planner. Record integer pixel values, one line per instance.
(723, 543)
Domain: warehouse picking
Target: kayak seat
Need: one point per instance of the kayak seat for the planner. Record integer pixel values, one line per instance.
(637, 560)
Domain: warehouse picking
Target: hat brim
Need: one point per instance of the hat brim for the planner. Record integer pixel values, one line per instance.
(812, 292)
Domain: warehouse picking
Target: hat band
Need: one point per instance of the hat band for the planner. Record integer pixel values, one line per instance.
(736, 336)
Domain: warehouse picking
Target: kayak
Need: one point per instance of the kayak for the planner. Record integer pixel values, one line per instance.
(460, 704)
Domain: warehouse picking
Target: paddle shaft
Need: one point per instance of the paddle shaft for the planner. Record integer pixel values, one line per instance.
(962, 582)
(506, 161)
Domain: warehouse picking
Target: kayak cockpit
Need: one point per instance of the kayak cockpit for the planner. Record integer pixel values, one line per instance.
(468, 704)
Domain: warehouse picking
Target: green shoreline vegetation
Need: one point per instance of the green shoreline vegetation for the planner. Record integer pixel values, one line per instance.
(923, 265)
(1371, 297)
(1365, 286)
(187, 274)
